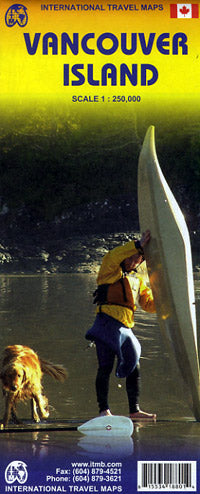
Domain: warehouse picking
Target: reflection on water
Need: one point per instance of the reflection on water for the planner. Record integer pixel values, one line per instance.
(51, 314)
(119, 446)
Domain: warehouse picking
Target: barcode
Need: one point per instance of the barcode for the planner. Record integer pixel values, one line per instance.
(166, 475)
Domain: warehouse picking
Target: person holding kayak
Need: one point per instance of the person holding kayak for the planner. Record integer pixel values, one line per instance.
(115, 297)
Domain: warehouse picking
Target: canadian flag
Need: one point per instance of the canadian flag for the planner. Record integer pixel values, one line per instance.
(184, 10)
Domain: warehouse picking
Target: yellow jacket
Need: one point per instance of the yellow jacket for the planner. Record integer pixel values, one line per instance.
(110, 272)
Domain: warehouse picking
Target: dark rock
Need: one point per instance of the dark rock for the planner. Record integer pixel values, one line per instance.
(74, 242)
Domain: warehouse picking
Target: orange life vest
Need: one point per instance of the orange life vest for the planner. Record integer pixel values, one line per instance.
(118, 293)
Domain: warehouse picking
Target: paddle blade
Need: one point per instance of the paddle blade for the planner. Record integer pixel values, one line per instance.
(111, 425)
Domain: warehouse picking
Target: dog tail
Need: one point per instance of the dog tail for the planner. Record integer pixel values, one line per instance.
(58, 372)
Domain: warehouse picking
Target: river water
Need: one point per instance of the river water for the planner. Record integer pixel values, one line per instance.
(51, 314)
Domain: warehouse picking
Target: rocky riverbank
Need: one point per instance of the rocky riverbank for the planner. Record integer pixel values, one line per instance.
(79, 254)
(75, 242)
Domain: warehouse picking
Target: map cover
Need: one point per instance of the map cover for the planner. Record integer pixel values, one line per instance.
(80, 84)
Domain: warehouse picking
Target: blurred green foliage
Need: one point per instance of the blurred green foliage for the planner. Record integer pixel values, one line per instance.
(53, 158)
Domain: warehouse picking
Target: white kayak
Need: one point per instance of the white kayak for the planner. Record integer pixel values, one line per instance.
(110, 425)
(169, 263)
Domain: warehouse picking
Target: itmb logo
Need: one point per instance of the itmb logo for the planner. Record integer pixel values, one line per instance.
(16, 470)
(16, 14)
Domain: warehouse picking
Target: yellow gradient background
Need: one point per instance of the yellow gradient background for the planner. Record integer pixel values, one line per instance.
(28, 77)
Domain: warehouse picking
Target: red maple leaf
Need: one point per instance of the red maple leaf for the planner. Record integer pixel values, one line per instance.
(184, 10)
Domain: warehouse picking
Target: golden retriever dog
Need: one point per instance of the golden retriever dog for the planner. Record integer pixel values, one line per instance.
(21, 376)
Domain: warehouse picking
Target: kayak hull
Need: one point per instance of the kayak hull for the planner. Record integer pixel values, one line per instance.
(169, 263)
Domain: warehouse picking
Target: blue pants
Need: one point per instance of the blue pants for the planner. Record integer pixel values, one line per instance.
(119, 339)
(106, 358)
(113, 339)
